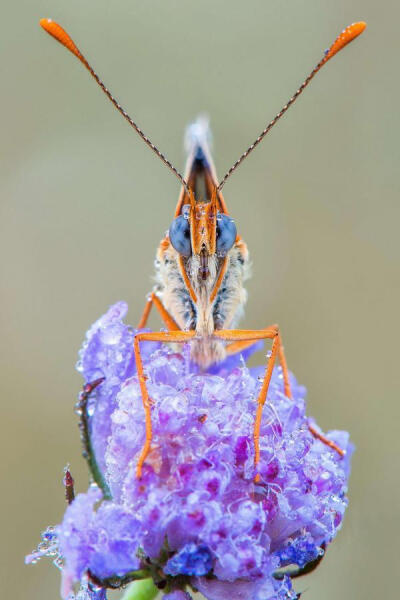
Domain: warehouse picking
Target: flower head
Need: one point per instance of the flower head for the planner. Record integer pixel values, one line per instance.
(196, 516)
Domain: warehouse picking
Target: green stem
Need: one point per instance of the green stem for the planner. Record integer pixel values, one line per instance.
(143, 589)
(84, 426)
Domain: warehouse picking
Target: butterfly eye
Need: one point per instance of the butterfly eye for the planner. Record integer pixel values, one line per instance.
(179, 235)
(226, 234)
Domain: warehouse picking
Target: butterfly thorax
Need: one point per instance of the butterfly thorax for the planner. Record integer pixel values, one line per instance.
(205, 315)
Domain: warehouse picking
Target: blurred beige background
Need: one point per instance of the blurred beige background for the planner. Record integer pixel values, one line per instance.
(84, 204)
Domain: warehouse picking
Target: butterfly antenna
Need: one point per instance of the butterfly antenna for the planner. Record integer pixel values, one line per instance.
(347, 35)
(62, 36)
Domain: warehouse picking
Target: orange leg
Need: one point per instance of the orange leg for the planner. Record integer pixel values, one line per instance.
(164, 314)
(161, 336)
(326, 441)
(242, 335)
(235, 347)
(242, 339)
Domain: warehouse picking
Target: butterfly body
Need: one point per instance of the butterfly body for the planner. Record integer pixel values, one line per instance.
(203, 316)
(203, 311)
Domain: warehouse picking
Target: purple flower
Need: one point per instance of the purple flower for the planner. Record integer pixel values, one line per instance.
(88, 591)
(191, 560)
(177, 595)
(102, 541)
(197, 514)
(300, 551)
(265, 588)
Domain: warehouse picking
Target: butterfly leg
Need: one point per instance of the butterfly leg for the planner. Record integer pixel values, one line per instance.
(242, 335)
(168, 321)
(235, 347)
(160, 336)
(239, 337)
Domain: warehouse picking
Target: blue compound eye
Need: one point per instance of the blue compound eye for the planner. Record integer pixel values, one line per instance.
(226, 234)
(179, 235)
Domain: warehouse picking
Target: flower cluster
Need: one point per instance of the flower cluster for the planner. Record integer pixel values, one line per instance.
(196, 518)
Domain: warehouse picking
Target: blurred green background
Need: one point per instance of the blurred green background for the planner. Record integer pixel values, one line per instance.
(84, 204)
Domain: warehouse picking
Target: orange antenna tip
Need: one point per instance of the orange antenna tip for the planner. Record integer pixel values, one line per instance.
(347, 36)
(58, 33)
